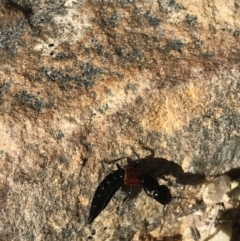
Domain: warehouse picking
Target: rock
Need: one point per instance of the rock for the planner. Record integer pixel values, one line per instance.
(83, 82)
(215, 189)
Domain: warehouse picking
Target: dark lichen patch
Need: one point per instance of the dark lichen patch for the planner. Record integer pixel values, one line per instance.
(133, 87)
(134, 55)
(57, 75)
(64, 159)
(64, 56)
(12, 36)
(110, 20)
(191, 20)
(85, 76)
(104, 108)
(153, 21)
(3, 194)
(88, 74)
(119, 51)
(126, 3)
(236, 33)
(31, 76)
(108, 92)
(208, 55)
(32, 101)
(125, 234)
(67, 232)
(59, 135)
(174, 44)
(170, 5)
(4, 87)
(99, 49)
(197, 43)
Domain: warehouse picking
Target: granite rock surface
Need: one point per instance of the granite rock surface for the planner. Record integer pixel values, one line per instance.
(83, 82)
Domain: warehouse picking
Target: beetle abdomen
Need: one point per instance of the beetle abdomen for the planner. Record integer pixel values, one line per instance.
(105, 191)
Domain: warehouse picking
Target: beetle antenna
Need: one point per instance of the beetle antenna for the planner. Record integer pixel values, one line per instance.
(115, 160)
(135, 152)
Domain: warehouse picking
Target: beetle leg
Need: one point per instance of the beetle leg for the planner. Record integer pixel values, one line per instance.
(130, 190)
(128, 194)
(152, 153)
(146, 191)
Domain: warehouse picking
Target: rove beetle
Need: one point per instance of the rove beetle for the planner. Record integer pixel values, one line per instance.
(127, 176)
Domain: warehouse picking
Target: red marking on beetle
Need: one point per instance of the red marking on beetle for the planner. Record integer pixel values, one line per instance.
(133, 176)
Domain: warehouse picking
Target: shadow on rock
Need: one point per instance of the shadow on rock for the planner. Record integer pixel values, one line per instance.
(160, 167)
(233, 173)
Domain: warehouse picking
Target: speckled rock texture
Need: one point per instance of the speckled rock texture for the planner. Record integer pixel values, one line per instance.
(85, 82)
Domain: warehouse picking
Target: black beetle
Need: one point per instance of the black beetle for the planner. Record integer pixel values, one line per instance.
(127, 176)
